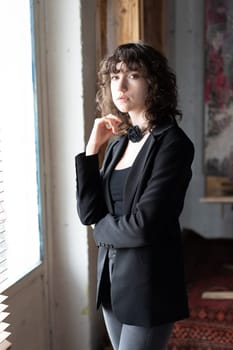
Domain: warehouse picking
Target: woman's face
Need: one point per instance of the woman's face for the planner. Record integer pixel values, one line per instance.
(129, 90)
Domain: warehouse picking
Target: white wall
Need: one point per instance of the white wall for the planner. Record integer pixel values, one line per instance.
(185, 35)
(68, 253)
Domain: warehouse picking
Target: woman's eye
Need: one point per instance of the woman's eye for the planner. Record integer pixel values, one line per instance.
(114, 77)
(134, 76)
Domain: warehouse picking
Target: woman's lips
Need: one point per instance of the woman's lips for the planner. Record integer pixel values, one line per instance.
(123, 98)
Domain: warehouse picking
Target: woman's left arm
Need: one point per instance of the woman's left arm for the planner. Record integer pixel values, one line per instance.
(161, 200)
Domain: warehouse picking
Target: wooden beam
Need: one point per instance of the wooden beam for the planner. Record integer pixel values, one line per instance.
(101, 29)
(127, 20)
(153, 23)
(123, 22)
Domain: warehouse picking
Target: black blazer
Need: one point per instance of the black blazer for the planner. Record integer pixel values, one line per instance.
(148, 283)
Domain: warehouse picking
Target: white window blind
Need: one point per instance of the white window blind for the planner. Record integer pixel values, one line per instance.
(3, 246)
(20, 239)
(4, 344)
(4, 334)
(3, 266)
(20, 243)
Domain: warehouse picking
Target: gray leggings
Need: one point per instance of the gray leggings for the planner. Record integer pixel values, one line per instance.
(126, 337)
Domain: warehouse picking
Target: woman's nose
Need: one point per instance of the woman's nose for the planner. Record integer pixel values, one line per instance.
(122, 86)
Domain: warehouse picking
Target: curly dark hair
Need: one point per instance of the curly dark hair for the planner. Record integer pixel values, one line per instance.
(161, 102)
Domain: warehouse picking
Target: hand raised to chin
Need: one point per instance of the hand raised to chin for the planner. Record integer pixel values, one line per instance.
(102, 130)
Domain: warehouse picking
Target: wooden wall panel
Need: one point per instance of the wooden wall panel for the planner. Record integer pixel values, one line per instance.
(101, 29)
(129, 20)
(127, 23)
(153, 23)
(123, 22)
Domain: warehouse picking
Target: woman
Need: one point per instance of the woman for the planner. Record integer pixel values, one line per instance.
(135, 200)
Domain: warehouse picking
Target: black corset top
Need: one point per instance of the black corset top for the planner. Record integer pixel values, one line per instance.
(117, 185)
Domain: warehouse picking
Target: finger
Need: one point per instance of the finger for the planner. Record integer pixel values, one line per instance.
(112, 122)
(108, 125)
(113, 117)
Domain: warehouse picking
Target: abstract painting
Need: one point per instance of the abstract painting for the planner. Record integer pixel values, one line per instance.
(219, 97)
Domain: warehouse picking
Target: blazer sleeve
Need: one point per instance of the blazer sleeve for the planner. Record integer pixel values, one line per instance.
(89, 193)
(160, 202)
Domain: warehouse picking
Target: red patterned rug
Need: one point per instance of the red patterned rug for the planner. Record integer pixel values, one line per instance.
(209, 269)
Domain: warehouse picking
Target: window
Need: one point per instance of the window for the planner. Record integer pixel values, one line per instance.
(19, 143)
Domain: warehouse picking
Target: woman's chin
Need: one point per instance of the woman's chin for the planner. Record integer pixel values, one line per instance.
(123, 109)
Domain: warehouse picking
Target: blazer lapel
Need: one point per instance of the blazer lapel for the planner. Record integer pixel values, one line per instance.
(140, 164)
(136, 172)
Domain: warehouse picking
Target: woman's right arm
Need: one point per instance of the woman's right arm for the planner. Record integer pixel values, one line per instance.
(89, 191)
(89, 194)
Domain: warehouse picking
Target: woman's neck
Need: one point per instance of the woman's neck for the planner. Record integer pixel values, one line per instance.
(139, 119)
